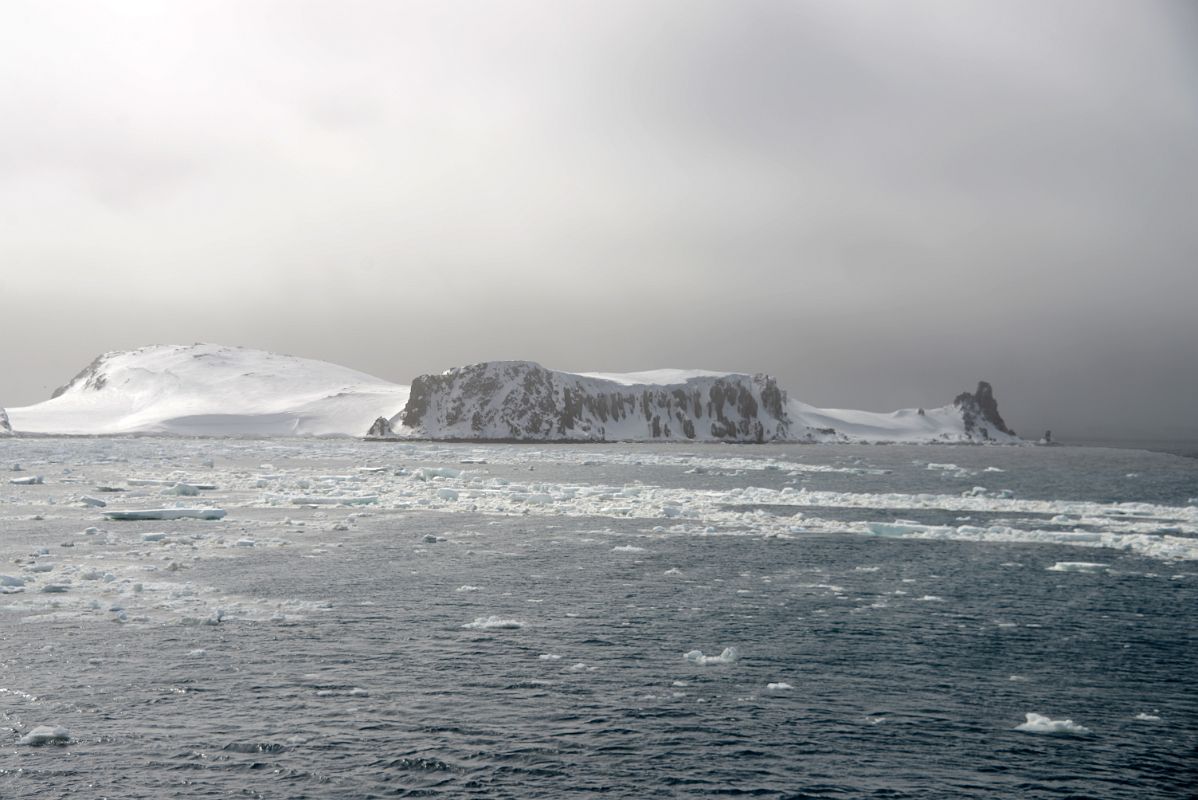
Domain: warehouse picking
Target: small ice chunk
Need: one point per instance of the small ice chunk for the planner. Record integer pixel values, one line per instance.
(466, 588)
(493, 623)
(93, 502)
(198, 653)
(29, 481)
(1143, 717)
(781, 686)
(549, 657)
(11, 580)
(729, 655)
(45, 734)
(627, 548)
(153, 537)
(672, 571)
(1038, 723)
(446, 493)
(1077, 566)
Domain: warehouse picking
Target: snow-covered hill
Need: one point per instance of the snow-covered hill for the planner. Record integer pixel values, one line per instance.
(969, 418)
(206, 389)
(521, 400)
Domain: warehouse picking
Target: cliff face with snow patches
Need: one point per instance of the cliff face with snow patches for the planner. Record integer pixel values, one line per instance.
(520, 400)
(523, 401)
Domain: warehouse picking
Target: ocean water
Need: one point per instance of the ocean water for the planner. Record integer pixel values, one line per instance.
(422, 620)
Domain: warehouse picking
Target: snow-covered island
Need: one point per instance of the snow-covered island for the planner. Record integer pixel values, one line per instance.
(212, 390)
(523, 401)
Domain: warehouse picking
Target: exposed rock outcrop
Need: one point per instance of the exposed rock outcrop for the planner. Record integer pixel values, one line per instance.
(979, 413)
(522, 401)
(381, 429)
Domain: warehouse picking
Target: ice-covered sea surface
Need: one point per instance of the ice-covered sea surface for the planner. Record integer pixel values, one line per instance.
(378, 619)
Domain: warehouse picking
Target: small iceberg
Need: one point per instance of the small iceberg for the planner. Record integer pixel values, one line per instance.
(729, 655)
(493, 623)
(1077, 566)
(45, 734)
(1038, 723)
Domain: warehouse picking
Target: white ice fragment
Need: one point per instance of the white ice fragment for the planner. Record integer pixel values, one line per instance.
(549, 657)
(1143, 717)
(425, 473)
(246, 542)
(321, 500)
(493, 623)
(153, 537)
(467, 588)
(1077, 566)
(627, 548)
(29, 481)
(11, 580)
(447, 494)
(781, 686)
(729, 655)
(183, 490)
(672, 571)
(56, 588)
(198, 653)
(45, 734)
(1038, 723)
(93, 502)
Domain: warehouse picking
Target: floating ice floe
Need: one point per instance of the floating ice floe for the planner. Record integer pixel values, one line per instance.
(1077, 566)
(45, 734)
(339, 500)
(627, 548)
(31, 480)
(1038, 723)
(781, 686)
(493, 623)
(1143, 717)
(729, 655)
(93, 502)
(167, 513)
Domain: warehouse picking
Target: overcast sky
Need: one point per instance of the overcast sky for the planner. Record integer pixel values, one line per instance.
(879, 203)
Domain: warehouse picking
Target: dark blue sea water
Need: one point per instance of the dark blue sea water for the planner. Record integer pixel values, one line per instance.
(342, 669)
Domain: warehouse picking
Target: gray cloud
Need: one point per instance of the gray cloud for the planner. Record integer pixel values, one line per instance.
(878, 203)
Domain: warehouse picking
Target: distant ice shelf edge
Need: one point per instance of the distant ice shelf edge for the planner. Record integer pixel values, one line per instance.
(214, 390)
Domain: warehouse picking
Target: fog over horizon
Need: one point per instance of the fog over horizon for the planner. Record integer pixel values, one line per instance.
(879, 204)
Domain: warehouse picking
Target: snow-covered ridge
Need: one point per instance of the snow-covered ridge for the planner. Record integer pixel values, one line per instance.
(523, 401)
(206, 389)
(5, 425)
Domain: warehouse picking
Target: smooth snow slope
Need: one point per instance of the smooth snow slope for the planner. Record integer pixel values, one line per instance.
(205, 389)
(943, 424)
